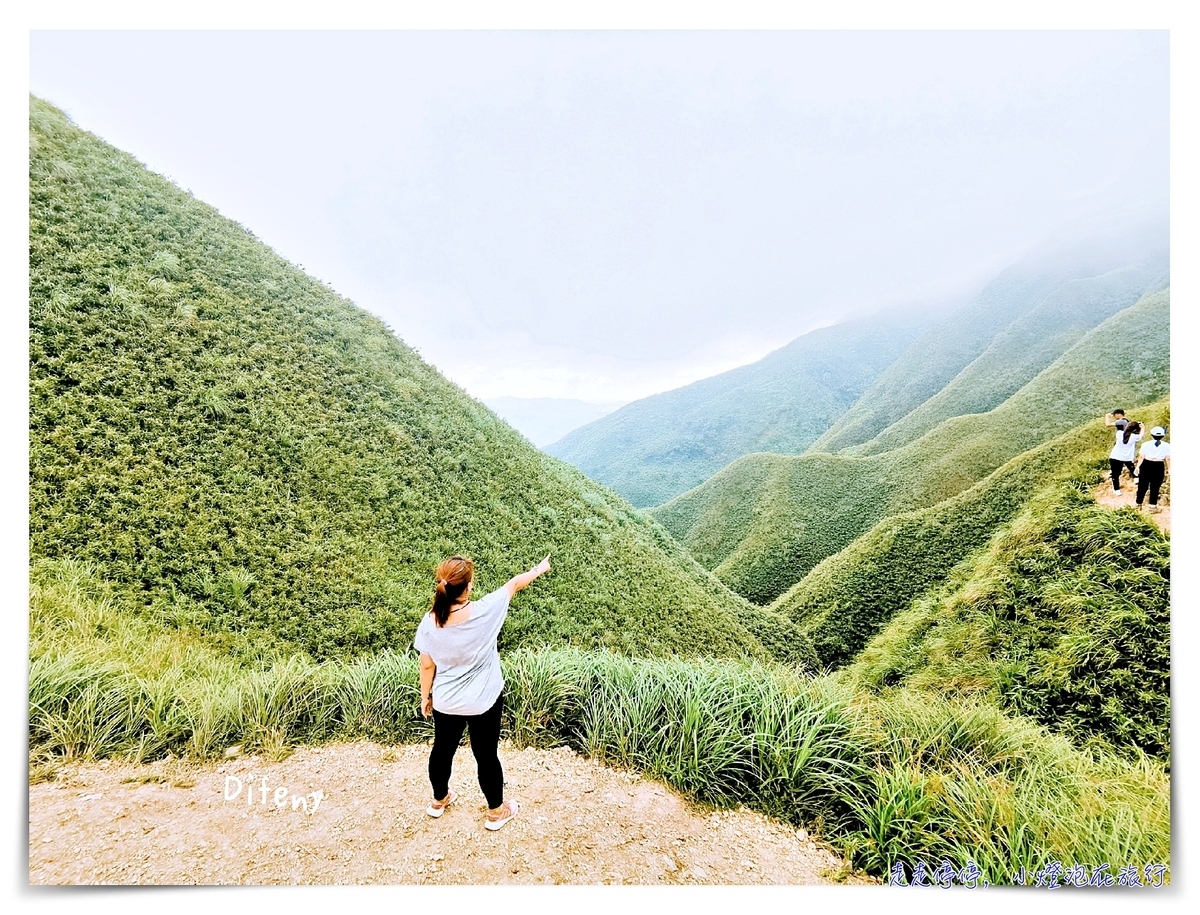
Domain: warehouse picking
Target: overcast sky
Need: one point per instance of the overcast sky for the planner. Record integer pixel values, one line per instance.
(605, 215)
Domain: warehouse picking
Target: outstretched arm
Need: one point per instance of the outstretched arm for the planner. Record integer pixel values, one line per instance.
(517, 582)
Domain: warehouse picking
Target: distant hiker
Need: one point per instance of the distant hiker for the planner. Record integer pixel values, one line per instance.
(1124, 451)
(1114, 418)
(1154, 460)
(461, 683)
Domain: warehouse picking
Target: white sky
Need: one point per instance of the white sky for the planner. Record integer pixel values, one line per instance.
(604, 215)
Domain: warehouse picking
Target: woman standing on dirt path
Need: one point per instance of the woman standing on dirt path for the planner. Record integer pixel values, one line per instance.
(461, 683)
(1124, 451)
(1154, 460)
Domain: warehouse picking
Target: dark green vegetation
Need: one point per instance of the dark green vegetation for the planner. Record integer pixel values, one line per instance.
(894, 778)
(765, 521)
(654, 449)
(1017, 325)
(1065, 618)
(849, 597)
(240, 450)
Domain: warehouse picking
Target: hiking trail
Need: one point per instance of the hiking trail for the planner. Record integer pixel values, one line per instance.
(1127, 498)
(170, 822)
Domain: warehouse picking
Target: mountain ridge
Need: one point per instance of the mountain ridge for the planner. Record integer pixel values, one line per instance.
(763, 522)
(658, 447)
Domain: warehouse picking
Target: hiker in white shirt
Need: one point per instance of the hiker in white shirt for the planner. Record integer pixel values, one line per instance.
(462, 686)
(1124, 451)
(1154, 460)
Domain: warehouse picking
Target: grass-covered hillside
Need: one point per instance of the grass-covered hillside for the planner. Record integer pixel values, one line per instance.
(1016, 326)
(765, 521)
(1026, 347)
(1065, 618)
(846, 600)
(654, 449)
(237, 450)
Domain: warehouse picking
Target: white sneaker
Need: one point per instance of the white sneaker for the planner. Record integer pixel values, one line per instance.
(511, 807)
(437, 808)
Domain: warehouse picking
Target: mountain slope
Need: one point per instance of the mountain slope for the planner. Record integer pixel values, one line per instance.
(766, 520)
(1016, 326)
(235, 448)
(851, 596)
(1026, 347)
(1064, 617)
(654, 449)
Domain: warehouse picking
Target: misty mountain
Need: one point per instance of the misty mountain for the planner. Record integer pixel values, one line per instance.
(765, 521)
(975, 357)
(544, 420)
(654, 449)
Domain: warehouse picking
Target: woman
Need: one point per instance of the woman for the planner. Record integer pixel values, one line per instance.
(1154, 461)
(1124, 451)
(461, 683)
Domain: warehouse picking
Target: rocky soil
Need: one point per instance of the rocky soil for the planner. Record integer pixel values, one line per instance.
(355, 813)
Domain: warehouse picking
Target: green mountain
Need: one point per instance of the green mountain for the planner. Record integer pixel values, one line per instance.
(765, 521)
(654, 449)
(1064, 617)
(237, 449)
(1018, 324)
(1024, 348)
(850, 596)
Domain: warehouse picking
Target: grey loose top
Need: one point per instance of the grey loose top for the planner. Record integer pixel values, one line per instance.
(468, 679)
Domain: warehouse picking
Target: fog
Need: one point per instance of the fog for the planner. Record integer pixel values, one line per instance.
(606, 215)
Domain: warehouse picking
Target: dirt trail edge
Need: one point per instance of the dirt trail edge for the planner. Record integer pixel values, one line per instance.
(355, 813)
(1127, 498)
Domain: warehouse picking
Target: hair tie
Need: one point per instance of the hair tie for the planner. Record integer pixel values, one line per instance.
(443, 582)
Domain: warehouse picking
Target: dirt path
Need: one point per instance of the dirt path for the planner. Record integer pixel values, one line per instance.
(1127, 498)
(580, 823)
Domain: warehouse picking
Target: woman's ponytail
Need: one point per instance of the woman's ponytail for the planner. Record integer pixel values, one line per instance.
(453, 578)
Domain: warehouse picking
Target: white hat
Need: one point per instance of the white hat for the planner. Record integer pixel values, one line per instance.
(1158, 432)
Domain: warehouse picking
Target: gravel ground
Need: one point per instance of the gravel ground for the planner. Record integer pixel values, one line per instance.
(177, 822)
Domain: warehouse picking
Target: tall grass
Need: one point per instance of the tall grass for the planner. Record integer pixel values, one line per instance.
(890, 780)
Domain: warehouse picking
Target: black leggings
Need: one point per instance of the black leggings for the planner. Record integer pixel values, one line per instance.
(485, 735)
(1151, 477)
(1115, 467)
